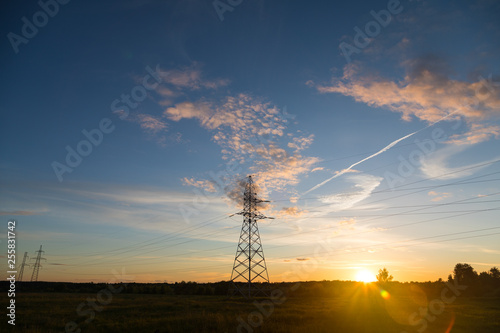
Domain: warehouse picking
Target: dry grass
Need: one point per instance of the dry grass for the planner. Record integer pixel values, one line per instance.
(359, 311)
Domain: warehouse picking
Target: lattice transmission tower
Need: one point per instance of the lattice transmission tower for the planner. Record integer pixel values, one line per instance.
(249, 276)
(37, 265)
(20, 278)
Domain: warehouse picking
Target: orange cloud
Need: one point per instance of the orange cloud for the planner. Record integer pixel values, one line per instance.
(203, 184)
(247, 129)
(291, 211)
(189, 78)
(150, 123)
(439, 196)
(349, 221)
(428, 93)
(425, 93)
(478, 133)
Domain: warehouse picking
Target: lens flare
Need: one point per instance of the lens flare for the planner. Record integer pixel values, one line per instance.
(384, 294)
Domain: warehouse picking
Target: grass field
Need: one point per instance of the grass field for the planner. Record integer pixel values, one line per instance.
(363, 311)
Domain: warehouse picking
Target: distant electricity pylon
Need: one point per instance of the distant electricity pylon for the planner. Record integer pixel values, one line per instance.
(37, 265)
(249, 276)
(20, 278)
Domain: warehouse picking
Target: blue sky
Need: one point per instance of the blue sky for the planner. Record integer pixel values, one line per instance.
(182, 105)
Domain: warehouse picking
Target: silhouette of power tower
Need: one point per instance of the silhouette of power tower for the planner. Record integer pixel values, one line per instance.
(249, 276)
(37, 265)
(20, 278)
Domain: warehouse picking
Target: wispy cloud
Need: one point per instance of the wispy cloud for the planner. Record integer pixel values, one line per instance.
(206, 185)
(349, 221)
(291, 212)
(19, 212)
(438, 196)
(189, 77)
(128, 195)
(134, 207)
(188, 110)
(435, 165)
(175, 85)
(477, 133)
(365, 184)
(338, 174)
(153, 126)
(151, 123)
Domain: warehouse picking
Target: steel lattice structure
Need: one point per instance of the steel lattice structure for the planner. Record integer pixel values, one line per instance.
(37, 265)
(20, 278)
(249, 276)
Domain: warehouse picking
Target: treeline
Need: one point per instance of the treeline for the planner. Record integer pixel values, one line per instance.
(177, 288)
(464, 277)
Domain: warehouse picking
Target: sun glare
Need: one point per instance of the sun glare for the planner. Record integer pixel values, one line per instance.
(365, 276)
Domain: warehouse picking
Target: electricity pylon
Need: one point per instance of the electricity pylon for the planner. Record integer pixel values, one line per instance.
(249, 276)
(37, 265)
(20, 278)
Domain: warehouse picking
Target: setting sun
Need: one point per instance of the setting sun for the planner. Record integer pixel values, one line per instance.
(365, 276)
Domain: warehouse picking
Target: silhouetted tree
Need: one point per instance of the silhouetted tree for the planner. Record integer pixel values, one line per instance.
(465, 274)
(495, 273)
(383, 276)
(485, 279)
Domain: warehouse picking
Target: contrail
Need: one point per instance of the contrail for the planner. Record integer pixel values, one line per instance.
(389, 146)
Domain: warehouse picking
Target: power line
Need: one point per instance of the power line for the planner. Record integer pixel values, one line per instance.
(418, 191)
(162, 238)
(394, 188)
(344, 235)
(152, 242)
(330, 227)
(392, 215)
(409, 240)
(300, 255)
(403, 214)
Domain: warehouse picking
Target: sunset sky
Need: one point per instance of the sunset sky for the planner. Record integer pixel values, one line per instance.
(127, 126)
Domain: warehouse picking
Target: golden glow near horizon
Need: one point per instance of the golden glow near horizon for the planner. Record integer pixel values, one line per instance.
(365, 276)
